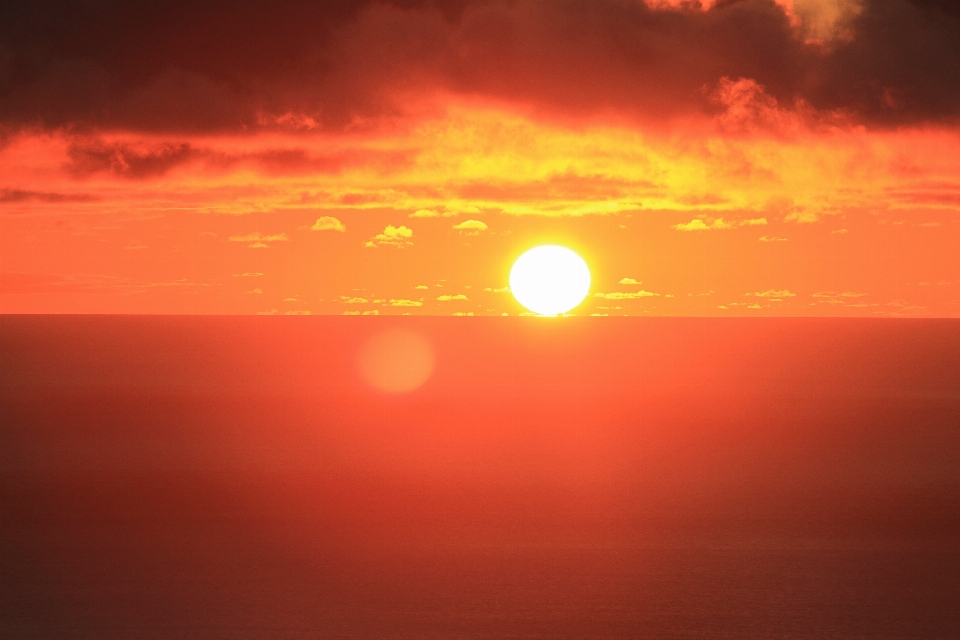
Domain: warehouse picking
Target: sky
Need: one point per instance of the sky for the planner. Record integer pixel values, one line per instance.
(732, 158)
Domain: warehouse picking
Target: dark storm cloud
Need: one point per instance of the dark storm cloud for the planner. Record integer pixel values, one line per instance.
(212, 65)
(86, 159)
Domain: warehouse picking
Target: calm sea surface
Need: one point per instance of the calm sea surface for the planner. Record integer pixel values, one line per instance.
(237, 477)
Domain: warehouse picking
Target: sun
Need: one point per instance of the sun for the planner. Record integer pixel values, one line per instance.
(549, 280)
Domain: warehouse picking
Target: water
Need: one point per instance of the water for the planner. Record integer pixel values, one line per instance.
(214, 477)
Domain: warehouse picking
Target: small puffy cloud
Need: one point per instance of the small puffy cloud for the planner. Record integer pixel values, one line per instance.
(259, 245)
(811, 214)
(328, 223)
(392, 236)
(299, 312)
(249, 274)
(629, 281)
(425, 213)
(255, 291)
(773, 239)
(694, 225)
(471, 226)
(351, 313)
(773, 293)
(625, 295)
(703, 223)
(500, 290)
(405, 303)
(461, 313)
(421, 286)
(835, 294)
(446, 298)
(353, 300)
(373, 312)
(290, 300)
(754, 306)
(259, 237)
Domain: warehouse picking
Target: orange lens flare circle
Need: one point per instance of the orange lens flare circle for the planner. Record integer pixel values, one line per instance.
(396, 360)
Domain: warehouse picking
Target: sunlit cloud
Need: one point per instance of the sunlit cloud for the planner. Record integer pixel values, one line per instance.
(328, 223)
(392, 236)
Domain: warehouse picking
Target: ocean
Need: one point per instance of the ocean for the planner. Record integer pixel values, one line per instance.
(584, 478)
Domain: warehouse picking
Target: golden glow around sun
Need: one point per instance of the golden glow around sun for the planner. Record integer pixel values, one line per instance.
(550, 280)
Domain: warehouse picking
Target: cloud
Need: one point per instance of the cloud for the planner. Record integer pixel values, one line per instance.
(424, 213)
(421, 286)
(834, 294)
(392, 236)
(328, 223)
(49, 197)
(259, 237)
(471, 226)
(703, 223)
(499, 290)
(120, 67)
(629, 281)
(353, 300)
(31, 283)
(125, 160)
(772, 239)
(773, 293)
(446, 298)
(620, 295)
(405, 303)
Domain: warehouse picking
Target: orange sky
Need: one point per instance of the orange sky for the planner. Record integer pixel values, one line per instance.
(404, 187)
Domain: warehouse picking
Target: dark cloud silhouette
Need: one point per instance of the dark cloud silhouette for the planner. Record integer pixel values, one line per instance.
(22, 195)
(211, 65)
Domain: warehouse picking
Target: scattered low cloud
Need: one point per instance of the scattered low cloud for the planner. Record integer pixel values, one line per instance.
(259, 240)
(839, 231)
(704, 223)
(629, 281)
(471, 226)
(446, 298)
(405, 303)
(328, 223)
(625, 295)
(421, 286)
(353, 300)
(461, 313)
(500, 290)
(249, 274)
(773, 293)
(392, 236)
(425, 213)
(835, 294)
(772, 239)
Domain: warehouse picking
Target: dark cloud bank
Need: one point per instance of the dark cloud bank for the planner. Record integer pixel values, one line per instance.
(208, 66)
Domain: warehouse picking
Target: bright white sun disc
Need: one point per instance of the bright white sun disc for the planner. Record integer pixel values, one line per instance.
(549, 280)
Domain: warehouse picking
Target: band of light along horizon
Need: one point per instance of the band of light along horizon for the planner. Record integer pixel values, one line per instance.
(550, 280)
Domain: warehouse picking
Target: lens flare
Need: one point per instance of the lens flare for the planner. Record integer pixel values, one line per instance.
(396, 360)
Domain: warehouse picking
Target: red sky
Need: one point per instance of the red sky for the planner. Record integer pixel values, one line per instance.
(726, 158)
